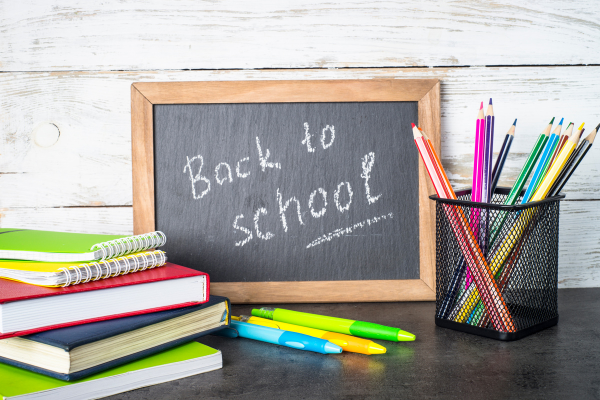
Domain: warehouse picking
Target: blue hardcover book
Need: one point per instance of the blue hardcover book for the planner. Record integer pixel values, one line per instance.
(79, 351)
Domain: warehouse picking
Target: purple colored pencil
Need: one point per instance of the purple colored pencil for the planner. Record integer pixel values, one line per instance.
(486, 186)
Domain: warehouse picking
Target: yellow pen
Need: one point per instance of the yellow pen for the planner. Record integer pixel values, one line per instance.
(346, 342)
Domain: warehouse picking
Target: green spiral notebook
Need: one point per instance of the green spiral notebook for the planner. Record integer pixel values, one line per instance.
(34, 245)
(186, 360)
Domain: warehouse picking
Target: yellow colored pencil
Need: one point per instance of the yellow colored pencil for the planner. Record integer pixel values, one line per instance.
(502, 252)
(556, 167)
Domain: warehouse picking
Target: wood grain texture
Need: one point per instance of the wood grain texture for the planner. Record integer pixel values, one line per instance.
(101, 220)
(429, 121)
(142, 148)
(315, 91)
(91, 162)
(337, 292)
(145, 35)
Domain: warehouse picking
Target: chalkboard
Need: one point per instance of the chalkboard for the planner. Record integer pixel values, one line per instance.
(288, 192)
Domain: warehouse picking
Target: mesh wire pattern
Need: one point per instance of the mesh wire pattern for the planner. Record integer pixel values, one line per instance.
(505, 282)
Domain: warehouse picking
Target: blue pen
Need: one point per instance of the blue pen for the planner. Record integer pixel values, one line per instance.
(285, 338)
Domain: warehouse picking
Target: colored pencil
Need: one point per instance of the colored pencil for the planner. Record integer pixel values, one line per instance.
(488, 152)
(462, 268)
(543, 165)
(508, 139)
(567, 171)
(556, 167)
(582, 149)
(476, 188)
(503, 251)
(463, 307)
(438, 164)
(478, 155)
(561, 142)
(483, 278)
(580, 130)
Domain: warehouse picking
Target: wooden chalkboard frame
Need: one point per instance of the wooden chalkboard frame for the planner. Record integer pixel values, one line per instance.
(144, 95)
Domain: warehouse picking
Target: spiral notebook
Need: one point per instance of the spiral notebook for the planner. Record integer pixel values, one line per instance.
(29, 244)
(27, 309)
(63, 274)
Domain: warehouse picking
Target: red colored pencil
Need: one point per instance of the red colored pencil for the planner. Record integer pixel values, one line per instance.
(484, 280)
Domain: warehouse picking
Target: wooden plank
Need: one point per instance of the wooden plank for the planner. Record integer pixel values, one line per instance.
(144, 35)
(107, 220)
(579, 259)
(142, 148)
(90, 165)
(429, 121)
(337, 292)
(293, 91)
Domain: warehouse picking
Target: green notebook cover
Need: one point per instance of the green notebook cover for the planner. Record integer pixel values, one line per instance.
(50, 242)
(15, 381)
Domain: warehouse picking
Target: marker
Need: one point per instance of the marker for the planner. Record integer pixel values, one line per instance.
(340, 325)
(285, 338)
(346, 342)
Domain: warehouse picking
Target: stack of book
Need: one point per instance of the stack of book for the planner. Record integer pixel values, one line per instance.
(87, 316)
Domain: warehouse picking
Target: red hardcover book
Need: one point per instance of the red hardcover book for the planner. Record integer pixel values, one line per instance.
(26, 309)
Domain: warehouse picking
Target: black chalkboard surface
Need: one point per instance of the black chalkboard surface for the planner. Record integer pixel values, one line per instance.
(290, 191)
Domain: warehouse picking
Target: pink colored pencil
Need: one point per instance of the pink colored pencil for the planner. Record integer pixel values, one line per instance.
(477, 175)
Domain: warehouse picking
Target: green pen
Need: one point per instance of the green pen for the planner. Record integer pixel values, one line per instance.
(339, 325)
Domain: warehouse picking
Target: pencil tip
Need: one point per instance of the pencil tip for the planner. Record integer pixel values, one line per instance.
(597, 127)
(561, 121)
(481, 106)
(552, 121)
(515, 123)
(490, 101)
(581, 127)
(413, 125)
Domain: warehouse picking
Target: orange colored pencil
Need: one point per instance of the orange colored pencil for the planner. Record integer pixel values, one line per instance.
(484, 280)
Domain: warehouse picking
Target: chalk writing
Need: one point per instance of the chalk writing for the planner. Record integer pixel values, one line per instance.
(306, 140)
(259, 234)
(283, 207)
(367, 163)
(263, 160)
(310, 203)
(332, 130)
(241, 228)
(348, 230)
(237, 169)
(336, 197)
(197, 177)
(220, 181)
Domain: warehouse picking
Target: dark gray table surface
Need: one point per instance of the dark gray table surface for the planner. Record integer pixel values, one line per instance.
(559, 362)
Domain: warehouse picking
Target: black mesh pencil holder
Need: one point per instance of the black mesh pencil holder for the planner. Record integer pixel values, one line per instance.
(496, 265)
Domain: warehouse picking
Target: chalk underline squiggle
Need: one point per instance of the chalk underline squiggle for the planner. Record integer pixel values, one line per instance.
(345, 231)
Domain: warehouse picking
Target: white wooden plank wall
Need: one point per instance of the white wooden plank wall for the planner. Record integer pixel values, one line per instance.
(69, 66)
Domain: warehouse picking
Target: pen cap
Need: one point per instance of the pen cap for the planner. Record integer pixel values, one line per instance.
(264, 312)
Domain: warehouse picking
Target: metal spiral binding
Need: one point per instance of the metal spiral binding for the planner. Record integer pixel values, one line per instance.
(130, 244)
(143, 261)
